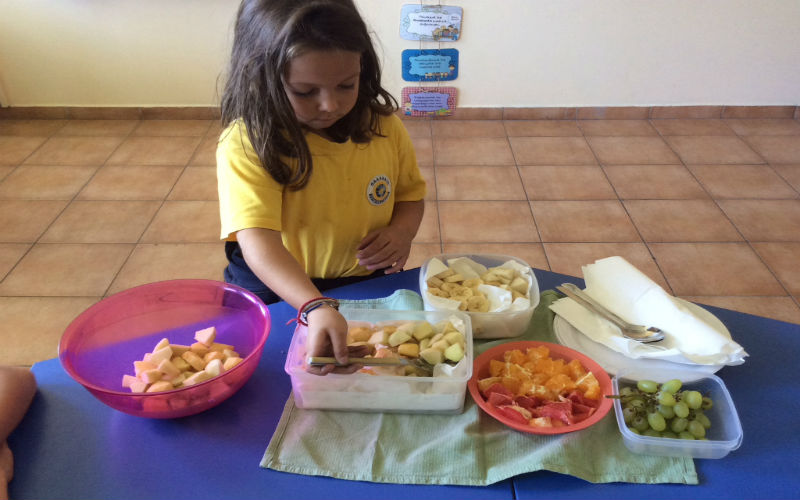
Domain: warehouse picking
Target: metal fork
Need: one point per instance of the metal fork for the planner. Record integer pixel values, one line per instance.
(636, 332)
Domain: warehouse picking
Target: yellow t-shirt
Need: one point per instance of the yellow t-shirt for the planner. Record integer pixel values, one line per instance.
(352, 190)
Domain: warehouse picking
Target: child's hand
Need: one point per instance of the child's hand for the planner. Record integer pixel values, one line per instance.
(385, 248)
(327, 336)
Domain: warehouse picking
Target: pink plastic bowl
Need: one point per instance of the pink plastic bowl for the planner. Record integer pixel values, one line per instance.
(102, 343)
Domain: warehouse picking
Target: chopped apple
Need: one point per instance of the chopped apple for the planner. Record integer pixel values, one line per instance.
(422, 330)
(454, 353)
(214, 367)
(206, 336)
(432, 356)
(442, 345)
(231, 362)
(358, 334)
(161, 385)
(424, 344)
(379, 337)
(454, 337)
(399, 337)
(180, 363)
(165, 353)
(162, 343)
(150, 376)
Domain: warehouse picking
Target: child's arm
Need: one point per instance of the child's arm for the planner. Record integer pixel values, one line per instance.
(17, 387)
(388, 247)
(264, 252)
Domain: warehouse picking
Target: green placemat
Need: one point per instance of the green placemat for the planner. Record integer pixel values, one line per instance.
(470, 448)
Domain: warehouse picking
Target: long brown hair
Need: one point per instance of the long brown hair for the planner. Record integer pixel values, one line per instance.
(268, 33)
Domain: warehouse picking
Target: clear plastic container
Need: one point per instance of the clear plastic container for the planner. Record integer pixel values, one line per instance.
(489, 325)
(101, 344)
(442, 393)
(724, 436)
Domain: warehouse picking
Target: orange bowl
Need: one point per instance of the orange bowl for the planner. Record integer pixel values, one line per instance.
(557, 351)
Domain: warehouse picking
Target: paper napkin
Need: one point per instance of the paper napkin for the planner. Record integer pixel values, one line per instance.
(626, 291)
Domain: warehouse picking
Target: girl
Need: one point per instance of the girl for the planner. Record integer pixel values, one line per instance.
(17, 388)
(318, 180)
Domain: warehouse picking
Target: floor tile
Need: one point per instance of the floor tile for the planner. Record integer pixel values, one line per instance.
(166, 261)
(423, 147)
(569, 258)
(10, 254)
(632, 150)
(681, 220)
(764, 126)
(98, 128)
(765, 220)
(66, 270)
(23, 221)
(776, 148)
(418, 128)
(155, 151)
(487, 221)
(131, 183)
(420, 253)
(206, 153)
(714, 269)
(5, 170)
(472, 151)
(780, 308)
(172, 128)
(196, 183)
(583, 221)
(616, 127)
(566, 182)
(14, 150)
(69, 150)
(790, 173)
(692, 127)
(784, 260)
(654, 182)
(41, 128)
(53, 182)
(428, 231)
(742, 181)
(467, 128)
(479, 183)
(532, 253)
(185, 222)
(33, 326)
(713, 149)
(102, 222)
(552, 151)
(542, 128)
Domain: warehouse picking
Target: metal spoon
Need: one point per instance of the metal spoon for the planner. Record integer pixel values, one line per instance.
(635, 332)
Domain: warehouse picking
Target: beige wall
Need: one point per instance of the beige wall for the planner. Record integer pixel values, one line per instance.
(529, 53)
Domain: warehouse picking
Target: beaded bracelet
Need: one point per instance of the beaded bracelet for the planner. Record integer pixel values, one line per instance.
(302, 311)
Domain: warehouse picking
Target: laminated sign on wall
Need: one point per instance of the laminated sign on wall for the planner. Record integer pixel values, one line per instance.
(430, 23)
(428, 101)
(430, 65)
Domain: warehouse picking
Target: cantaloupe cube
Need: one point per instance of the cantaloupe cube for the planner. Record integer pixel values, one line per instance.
(409, 349)
(231, 362)
(194, 360)
(206, 335)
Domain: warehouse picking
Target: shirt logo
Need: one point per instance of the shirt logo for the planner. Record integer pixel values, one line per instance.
(379, 189)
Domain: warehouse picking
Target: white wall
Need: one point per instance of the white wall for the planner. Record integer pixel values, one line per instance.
(513, 53)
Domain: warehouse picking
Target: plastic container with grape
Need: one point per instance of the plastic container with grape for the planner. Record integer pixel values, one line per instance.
(720, 434)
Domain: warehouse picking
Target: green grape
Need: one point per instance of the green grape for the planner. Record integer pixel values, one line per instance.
(669, 434)
(707, 403)
(696, 429)
(681, 409)
(685, 435)
(704, 421)
(672, 386)
(633, 430)
(647, 386)
(678, 424)
(626, 391)
(636, 403)
(628, 413)
(652, 433)
(667, 411)
(693, 399)
(665, 398)
(639, 423)
(656, 421)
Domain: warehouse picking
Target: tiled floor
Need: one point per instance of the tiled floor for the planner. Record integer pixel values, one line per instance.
(708, 208)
